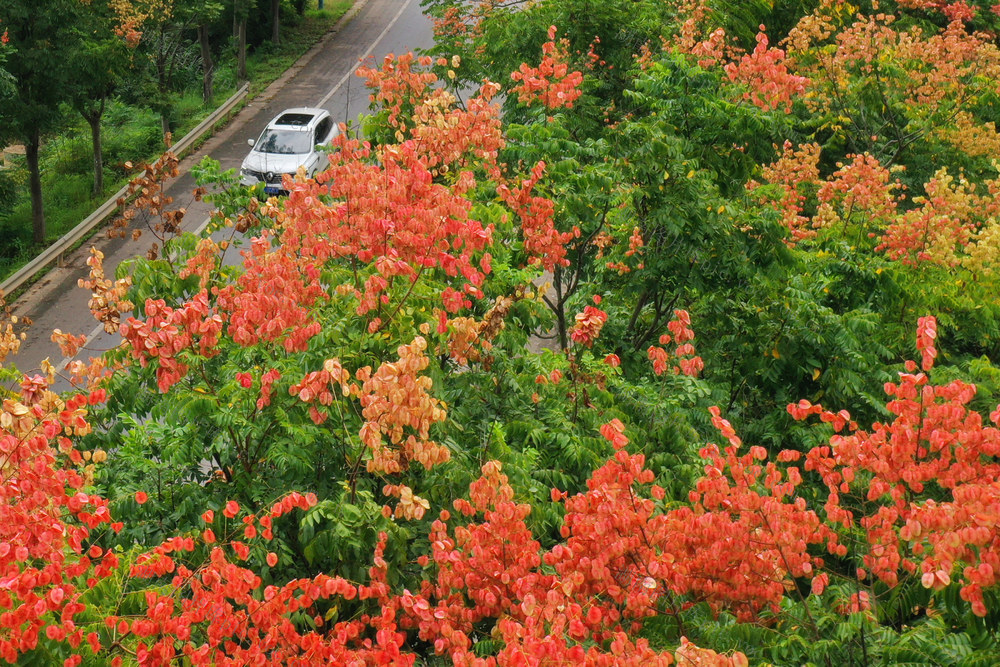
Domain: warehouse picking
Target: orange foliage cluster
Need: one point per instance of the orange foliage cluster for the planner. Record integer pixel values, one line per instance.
(951, 224)
(395, 398)
(943, 225)
(765, 74)
(708, 49)
(396, 404)
(471, 340)
(933, 440)
(588, 324)
(794, 168)
(108, 299)
(10, 340)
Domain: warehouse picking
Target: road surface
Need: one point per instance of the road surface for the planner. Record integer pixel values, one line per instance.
(324, 77)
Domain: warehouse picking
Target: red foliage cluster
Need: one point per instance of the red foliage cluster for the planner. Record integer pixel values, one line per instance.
(544, 244)
(404, 215)
(46, 520)
(933, 440)
(551, 84)
(954, 11)
(739, 545)
(495, 569)
(397, 83)
(166, 332)
(687, 362)
(862, 187)
(272, 298)
(393, 216)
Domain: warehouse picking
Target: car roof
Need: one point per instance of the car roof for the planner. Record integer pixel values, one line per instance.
(298, 118)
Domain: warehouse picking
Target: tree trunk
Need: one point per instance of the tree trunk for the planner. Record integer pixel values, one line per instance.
(240, 13)
(207, 66)
(275, 21)
(93, 119)
(241, 50)
(560, 309)
(162, 83)
(35, 187)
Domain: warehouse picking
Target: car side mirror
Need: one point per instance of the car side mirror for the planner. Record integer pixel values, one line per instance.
(251, 142)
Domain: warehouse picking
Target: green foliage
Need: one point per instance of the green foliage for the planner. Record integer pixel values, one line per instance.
(9, 187)
(42, 38)
(823, 632)
(338, 534)
(677, 99)
(775, 323)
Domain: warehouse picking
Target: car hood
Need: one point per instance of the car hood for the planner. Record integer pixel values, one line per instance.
(273, 162)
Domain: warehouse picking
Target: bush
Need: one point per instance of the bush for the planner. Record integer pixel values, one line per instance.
(69, 154)
(15, 236)
(10, 184)
(130, 133)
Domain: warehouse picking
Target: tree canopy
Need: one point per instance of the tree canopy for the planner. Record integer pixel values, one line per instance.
(673, 342)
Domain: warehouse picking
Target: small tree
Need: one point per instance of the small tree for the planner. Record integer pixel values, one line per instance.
(207, 12)
(241, 10)
(102, 61)
(44, 39)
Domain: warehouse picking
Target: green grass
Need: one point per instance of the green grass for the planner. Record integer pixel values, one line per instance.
(132, 134)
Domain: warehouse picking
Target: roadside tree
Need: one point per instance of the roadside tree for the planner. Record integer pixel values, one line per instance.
(43, 37)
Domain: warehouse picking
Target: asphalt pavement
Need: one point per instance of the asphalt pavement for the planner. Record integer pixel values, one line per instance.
(324, 77)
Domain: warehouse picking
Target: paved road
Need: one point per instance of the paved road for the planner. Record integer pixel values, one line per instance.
(323, 77)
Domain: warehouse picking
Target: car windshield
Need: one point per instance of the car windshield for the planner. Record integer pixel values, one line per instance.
(284, 142)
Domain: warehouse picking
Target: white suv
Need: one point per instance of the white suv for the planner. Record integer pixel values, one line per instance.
(288, 142)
